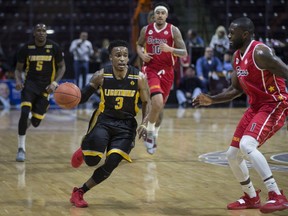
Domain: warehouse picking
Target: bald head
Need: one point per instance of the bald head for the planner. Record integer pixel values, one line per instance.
(245, 24)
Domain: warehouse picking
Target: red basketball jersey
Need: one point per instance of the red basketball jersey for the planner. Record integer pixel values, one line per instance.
(154, 38)
(260, 85)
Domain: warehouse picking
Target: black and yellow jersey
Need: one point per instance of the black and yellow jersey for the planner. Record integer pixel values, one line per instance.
(40, 62)
(119, 98)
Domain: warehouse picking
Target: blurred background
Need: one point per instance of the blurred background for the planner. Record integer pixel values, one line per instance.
(106, 20)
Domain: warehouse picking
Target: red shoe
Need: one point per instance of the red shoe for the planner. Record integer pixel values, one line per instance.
(245, 202)
(77, 198)
(275, 202)
(77, 158)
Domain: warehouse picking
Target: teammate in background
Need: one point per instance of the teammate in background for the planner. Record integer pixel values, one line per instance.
(45, 67)
(115, 129)
(260, 74)
(162, 43)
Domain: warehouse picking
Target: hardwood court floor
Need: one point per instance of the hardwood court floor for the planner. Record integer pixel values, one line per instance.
(180, 179)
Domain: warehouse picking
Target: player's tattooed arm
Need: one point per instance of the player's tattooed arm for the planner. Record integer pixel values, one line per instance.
(180, 47)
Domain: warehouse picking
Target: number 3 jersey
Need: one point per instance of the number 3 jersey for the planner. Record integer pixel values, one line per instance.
(119, 98)
(154, 38)
(40, 63)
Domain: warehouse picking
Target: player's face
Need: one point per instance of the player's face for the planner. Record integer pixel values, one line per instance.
(160, 16)
(40, 33)
(235, 36)
(119, 58)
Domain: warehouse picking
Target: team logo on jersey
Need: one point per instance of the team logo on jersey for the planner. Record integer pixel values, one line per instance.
(241, 72)
(150, 32)
(132, 83)
(237, 61)
(165, 32)
(246, 61)
(47, 51)
(151, 40)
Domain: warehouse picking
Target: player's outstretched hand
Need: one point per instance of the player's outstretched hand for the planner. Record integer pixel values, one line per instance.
(142, 131)
(52, 87)
(202, 100)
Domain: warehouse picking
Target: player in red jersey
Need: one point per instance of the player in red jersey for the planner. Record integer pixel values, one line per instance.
(260, 74)
(158, 46)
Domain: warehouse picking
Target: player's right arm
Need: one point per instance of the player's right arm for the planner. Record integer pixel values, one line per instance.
(94, 83)
(232, 92)
(146, 57)
(18, 76)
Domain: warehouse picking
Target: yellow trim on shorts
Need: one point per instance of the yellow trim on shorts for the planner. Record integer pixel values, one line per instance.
(120, 152)
(92, 153)
(38, 116)
(26, 103)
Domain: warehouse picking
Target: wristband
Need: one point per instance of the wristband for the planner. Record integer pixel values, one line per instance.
(54, 83)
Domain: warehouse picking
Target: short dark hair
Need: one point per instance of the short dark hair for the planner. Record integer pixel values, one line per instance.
(161, 4)
(117, 43)
(245, 24)
(39, 25)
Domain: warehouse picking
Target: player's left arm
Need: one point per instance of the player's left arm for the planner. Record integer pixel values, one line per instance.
(179, 48)
(145, 98)
(266, 59)
(61, 67)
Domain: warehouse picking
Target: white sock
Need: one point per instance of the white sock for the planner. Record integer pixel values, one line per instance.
(21, 142)
(150, 126)
(271, 185)
(249, 189)
(157, 131)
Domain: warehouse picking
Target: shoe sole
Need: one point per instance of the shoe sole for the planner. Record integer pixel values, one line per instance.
(267, 211)
(20, 159)
(73, 203)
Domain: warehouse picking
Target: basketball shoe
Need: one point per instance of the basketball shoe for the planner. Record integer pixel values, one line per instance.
(245, 202)
(77, 198)
(77, 158)
(274, 202)
(150, 142)
(21, 155)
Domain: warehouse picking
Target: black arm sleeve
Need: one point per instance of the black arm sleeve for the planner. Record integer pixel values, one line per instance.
(86, 92)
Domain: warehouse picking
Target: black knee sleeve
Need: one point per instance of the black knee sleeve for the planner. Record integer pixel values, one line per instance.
(22, 125)
(92, 160)
(106, 169)
(25, 110)
(100, 175)
(112, 162)
(35, 122)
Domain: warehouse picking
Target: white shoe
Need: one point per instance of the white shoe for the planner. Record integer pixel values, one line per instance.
(150, 142)
(21, 155)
